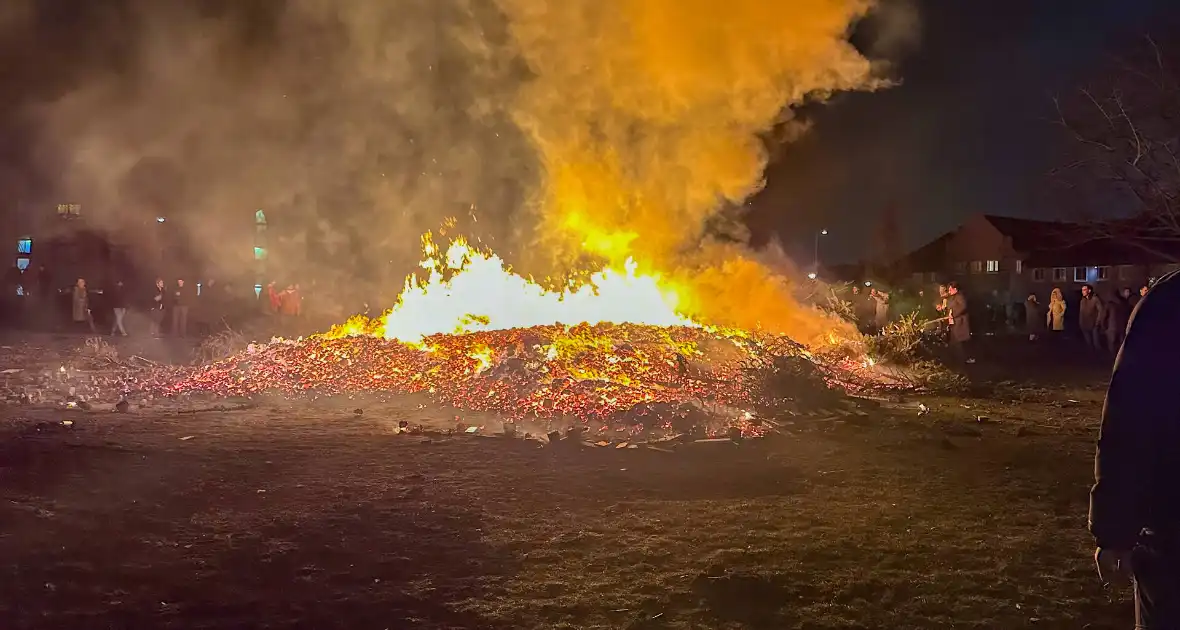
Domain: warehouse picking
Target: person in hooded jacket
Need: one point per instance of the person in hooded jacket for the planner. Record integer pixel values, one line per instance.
(1135, 502)
(1055, 317)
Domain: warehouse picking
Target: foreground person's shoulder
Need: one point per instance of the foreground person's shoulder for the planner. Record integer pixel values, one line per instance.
(1161, 304)
(1167, 287)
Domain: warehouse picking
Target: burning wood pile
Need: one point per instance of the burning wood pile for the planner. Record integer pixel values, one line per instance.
(475, 336)
(623, 379)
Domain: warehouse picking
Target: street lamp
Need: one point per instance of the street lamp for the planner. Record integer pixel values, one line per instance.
(811, 276)
(817, 235)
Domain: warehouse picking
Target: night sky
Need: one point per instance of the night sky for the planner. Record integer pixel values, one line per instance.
(969, 130)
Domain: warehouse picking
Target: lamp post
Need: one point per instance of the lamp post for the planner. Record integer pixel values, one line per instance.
(818, 234)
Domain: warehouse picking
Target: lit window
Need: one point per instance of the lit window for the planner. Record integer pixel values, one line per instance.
(24, 246)
(1080, 274)
(198, 288)
(69, 209)
(22, 263)
(993, 266)
(1038, 275)
(20, 290)
(257, 290)
(1059, 274)
(260, 218)
(976, 266)
(259, 253)
(160, 219)
(1019, 267)
(1102, 273)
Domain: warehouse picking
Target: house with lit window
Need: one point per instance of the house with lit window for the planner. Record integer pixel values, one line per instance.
(1004, 259)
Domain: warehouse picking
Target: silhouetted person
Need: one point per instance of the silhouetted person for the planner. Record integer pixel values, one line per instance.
(44, 295)
(1116, 313)
(117, 301)
(1090, 318)
(209, 306)
(1035, 316)
(1135, 502)
(44, 284)
(1138, 296)
(156, 308)
(182, 299)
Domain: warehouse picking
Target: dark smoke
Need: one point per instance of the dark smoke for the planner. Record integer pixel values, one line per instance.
(355, 125)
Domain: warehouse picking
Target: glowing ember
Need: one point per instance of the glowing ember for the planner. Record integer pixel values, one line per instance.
(631, 378)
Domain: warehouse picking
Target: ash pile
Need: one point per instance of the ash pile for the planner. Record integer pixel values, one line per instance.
(85, 376)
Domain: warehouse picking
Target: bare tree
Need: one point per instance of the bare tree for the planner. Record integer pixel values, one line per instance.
(1122, 178)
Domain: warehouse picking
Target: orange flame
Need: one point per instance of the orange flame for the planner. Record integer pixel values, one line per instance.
(468, 290)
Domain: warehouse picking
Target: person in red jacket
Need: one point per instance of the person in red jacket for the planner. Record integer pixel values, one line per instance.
(274, 298)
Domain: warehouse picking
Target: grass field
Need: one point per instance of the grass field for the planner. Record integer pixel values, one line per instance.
(312, 518)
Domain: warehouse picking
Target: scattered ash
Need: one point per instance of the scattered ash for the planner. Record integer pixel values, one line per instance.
(72, 375)
(629, 380)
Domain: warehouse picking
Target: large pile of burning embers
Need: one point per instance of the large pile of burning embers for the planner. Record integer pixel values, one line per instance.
(624, 379)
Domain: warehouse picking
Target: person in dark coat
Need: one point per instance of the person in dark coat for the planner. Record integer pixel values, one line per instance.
(1090, 319)
(958, 321)
(1135, 502)
(156, 307)
(1138, 296)
(1130, 297)
(182, 298)
(1034, 317)
(1116, 314)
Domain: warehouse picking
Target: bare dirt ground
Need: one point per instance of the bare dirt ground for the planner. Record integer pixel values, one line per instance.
(298, 517)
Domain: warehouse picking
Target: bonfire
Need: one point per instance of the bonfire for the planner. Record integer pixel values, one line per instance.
(614, 354)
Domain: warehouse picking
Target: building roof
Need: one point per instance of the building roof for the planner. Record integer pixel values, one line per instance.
(929, 257)
(1105, 252)
(1031, 234)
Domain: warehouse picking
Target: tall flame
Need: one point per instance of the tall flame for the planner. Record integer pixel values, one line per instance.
(468, 290)
(647, 117)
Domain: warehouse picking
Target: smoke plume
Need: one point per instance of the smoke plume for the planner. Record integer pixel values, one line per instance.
(600, 129)
(649, 118)
(355, 126)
